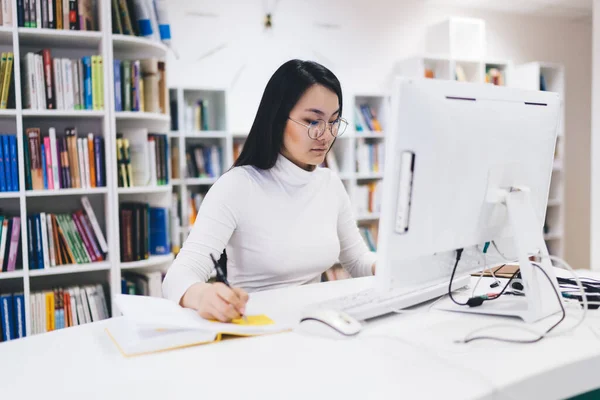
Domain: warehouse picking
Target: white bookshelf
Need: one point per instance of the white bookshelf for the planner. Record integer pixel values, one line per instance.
(188, 135)
(104, 200)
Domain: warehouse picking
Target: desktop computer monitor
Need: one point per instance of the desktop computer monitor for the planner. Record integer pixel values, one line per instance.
(467, 164)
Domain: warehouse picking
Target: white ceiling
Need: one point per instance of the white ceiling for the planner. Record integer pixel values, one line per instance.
(575, 9)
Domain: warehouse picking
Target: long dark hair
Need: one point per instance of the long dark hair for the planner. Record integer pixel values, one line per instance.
(281, 94)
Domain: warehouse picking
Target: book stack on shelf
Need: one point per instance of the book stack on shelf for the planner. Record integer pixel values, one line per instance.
(64, 239)
(365, 119)
(140, 85)
(62, 308)
(9, 168)
(144, 231)
(12, 315)
(204, 161)
(10, 244)
(142, 284)
(142, 158)
(68, 161)
(62, 83)
(370, 157)
(77, 15)
(148, 19)
(368, 198)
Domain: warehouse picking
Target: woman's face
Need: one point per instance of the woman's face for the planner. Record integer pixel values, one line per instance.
(318, 102)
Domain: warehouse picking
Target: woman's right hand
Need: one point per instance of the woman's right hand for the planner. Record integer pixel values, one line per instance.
(216, 301)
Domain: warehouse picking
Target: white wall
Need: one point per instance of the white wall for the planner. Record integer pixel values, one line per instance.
(371, 36)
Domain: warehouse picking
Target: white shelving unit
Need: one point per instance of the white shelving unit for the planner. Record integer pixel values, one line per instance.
(104, 200)
(62, 43)
(187, 136)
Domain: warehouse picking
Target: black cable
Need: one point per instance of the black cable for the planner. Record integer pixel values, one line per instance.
(562, 307)
(458, 256)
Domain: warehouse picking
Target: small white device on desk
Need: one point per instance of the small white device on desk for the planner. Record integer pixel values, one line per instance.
(465, 164)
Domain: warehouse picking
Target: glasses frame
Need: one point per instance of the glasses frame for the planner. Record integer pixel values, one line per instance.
(327, 125)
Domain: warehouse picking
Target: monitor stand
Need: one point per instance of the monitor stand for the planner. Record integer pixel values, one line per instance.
(540, 300)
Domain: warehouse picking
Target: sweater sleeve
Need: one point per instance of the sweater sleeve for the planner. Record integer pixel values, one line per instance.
(355, 256)
(215, 222)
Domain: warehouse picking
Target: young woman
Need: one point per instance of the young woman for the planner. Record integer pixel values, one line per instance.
(282, 220)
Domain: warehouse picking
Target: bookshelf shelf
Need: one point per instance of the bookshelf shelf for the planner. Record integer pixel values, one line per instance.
(153, 261)
(176, 182)
(71, 269)
(367, 217)
(140, 115)
(128, 44)
(65, 192)
(204, 135)
(145, 189)
(8, 113)
(63, 114)
(199, 181)
(369, 135)
(12, 275)
(9, 195)
(243, 135)
(58, 37)
(370, 176)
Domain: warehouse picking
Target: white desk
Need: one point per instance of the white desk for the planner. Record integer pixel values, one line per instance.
(408, 356)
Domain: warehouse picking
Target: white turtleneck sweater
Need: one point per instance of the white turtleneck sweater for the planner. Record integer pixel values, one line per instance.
(281, 227)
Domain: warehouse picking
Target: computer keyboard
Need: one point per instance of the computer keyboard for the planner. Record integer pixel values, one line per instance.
(372, 303)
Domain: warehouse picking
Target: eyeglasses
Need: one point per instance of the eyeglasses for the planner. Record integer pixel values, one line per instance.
(316, 128)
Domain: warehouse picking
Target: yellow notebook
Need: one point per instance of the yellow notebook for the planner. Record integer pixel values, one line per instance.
(151, 325)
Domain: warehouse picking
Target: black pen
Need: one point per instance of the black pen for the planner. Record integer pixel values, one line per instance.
(221, 276)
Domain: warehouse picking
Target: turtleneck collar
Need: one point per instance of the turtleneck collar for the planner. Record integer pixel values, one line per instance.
(290, 173)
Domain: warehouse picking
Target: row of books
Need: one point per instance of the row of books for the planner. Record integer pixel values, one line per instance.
(9, 168)
(144, 231)
(368, 198)
(61, 308)
(204, 161)
(196, 116)
(369, 235)
(77, 15)
(370, 156)
(365, 119)
(147, 284)
(62, 83)
(63, 239)
(142, 158)
(147, 18)
(140, 85)
(12, 316)
(6, 77)
(10, 244)
(69, 161)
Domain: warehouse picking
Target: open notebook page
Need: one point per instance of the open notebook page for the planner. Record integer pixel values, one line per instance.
(151, 313)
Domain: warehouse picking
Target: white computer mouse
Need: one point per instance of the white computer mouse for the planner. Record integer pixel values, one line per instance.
(328, 323)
